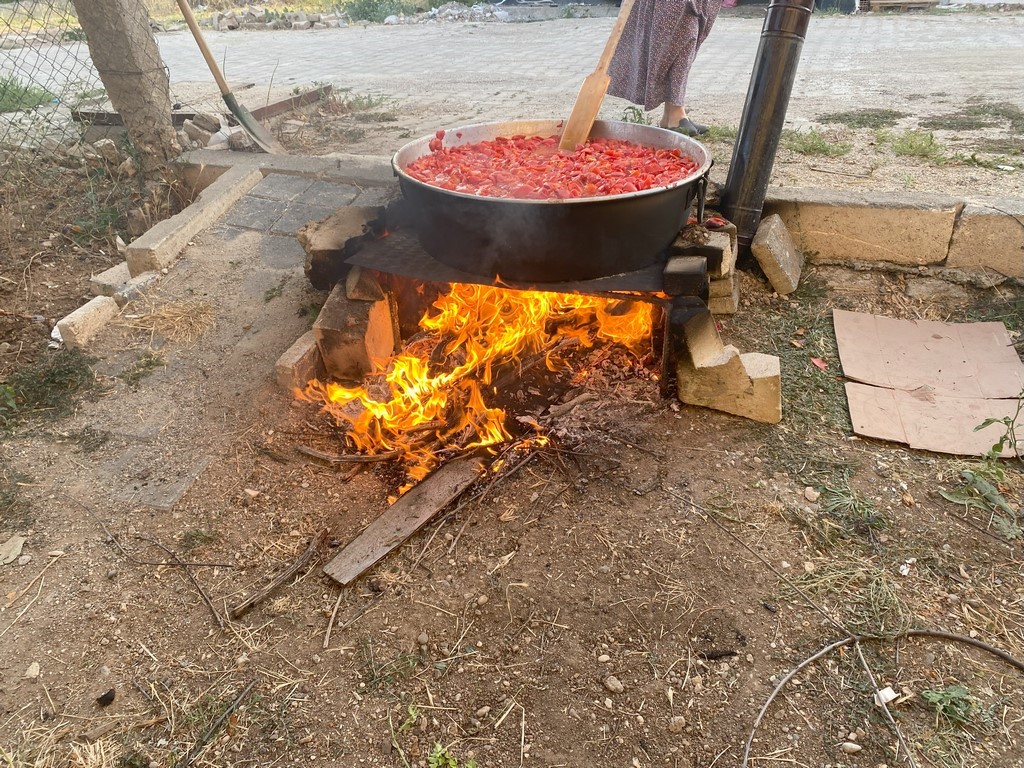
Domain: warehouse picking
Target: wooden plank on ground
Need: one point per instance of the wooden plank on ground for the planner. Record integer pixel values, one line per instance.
(402, 519)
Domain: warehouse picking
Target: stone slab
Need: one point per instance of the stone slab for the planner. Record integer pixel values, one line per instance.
(110, 281)
(300, 364)
(780, 259)
(297, 215)
(256, 213)
(990, 236)
(724, 242)
(136, 287)
(282, 187)
(160, 246)
(85, 322)
(842, 225)
(723, 286)
(330, 194)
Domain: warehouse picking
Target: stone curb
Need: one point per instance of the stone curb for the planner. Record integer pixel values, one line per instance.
(360, 170)
(912, 229)
(159, 247)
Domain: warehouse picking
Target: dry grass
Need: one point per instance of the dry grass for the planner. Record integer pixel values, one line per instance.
(182, 322)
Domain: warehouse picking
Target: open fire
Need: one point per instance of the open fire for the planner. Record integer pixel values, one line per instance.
(435, 398)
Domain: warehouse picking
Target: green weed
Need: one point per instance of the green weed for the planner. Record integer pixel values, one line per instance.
(376, 10)
(196, 537)
(275, 291)
(50, 387)
(720, 133)
(920, 144)
(813, 142)
(864, 118)
(979, 114)
(440, 757)
(16, 96)
(380, 673)
(637, 116)
(142, 368)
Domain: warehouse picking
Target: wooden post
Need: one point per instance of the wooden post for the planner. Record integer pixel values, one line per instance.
(126, 56)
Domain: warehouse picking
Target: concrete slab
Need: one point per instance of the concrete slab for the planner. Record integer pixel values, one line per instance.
(990, 235)
(278, 186)
(297, 215)
(85, 322)
(911, 229)
(160, 246)
(281, 252)
(255, 213)
(330, 194)
(109, 282)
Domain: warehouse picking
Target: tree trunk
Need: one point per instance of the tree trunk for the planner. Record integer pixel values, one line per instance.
(126, 56)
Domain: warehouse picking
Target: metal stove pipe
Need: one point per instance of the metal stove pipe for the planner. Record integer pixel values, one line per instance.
(771, 82)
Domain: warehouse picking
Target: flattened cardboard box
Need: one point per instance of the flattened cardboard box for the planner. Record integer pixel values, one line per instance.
(928, 384)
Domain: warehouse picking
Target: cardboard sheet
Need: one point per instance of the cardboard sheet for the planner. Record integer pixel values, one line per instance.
(929, 384)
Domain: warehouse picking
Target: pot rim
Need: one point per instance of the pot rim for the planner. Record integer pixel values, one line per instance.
(687, 144)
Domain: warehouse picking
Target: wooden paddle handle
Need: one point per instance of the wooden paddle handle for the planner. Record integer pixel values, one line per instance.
(613, 38)
(211, 62)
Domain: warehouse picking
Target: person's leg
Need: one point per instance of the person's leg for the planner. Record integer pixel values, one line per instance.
(673, 115)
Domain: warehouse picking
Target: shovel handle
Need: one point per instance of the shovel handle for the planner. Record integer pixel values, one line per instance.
(613, 38)
(211, 62)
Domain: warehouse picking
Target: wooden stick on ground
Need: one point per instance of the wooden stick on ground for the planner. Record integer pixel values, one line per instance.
(191, 577)
(258, 597)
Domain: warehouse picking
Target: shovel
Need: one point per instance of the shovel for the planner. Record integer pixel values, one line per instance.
(257, 132)
(588, 102)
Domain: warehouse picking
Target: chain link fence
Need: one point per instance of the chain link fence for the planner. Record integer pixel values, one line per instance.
(45, 73)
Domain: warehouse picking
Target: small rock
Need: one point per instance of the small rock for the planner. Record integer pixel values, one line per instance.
(613, 684)
(24, 559)
(482, 600)
(33, 671)
(423, 638)
(127, 168)
(604, 658)
(851, 736)
(252, 493)
(56, 553)
(850, 747)
(483, 711)
(106, 699)
(812, 494)
(676, 724)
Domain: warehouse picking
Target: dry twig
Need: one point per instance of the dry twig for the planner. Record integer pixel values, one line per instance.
(258, 597)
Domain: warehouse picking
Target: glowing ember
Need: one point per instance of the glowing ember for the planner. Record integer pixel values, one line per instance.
(427, 401)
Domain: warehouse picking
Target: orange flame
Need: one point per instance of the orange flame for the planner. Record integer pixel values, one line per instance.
(423, 409)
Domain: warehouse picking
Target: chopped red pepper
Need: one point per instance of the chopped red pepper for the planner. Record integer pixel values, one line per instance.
(532, 168)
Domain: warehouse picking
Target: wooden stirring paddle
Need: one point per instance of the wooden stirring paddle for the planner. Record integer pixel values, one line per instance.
(588, 102)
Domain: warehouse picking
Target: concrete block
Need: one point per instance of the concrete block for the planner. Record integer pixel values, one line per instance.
(208, 122)
(724, 295)
(85, 322)
(684, 275)
(843, 225)
(136, 287)
(324, 243)
(110, 281)
(354, 337)
(195, 133)
(159, 247)
(777, 254)
(725, 244)
(989, 237)
(300, 364)
(748, 385)
(723, 286)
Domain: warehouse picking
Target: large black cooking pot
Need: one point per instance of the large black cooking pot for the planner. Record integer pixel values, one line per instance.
(550, 241)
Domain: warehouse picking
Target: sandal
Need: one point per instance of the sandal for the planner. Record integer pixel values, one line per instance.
(689, 128)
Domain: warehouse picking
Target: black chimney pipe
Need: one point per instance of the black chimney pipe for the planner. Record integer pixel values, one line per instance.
(771, 82)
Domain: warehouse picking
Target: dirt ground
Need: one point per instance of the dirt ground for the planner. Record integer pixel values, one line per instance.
(630, 596)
